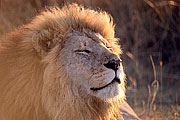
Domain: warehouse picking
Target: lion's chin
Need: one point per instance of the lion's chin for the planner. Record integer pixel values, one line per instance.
(110, 92)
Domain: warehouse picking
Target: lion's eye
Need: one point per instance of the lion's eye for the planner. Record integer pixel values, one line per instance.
(86, 51)
(83, 51)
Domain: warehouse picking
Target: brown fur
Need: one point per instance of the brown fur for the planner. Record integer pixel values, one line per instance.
(25, 56)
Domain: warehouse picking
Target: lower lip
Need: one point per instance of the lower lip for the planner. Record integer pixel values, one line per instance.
(113, 81)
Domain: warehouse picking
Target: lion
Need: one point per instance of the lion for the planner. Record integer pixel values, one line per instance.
(64, 65)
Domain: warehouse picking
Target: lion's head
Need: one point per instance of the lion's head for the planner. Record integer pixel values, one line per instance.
(81, 72)
(93, 67)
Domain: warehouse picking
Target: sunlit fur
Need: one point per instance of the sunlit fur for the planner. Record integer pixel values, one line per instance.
(33, 82)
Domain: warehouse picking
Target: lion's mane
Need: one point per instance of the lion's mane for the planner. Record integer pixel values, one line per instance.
(25, 55)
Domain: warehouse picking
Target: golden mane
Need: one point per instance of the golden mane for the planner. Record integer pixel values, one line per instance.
(77, 18)
(23, 65)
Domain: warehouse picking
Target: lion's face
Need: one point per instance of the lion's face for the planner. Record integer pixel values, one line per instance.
(92, 66)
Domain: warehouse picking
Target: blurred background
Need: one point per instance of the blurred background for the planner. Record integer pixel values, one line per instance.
(149, 32)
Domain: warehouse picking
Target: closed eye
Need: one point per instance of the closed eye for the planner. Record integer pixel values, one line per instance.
(83, 51)
(86, 51)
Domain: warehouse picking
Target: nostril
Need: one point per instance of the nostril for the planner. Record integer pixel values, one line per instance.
(113, 64)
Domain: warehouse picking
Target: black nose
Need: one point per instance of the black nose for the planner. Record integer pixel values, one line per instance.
(113, 64)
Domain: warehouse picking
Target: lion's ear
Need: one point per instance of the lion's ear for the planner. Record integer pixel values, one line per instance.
(43, 41)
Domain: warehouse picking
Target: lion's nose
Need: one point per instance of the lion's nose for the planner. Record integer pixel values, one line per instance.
(113, 64)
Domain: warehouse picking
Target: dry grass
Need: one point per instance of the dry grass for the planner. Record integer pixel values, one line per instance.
(146, 28)
(164, 113)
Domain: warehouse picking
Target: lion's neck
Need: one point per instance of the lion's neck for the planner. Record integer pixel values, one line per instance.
(90, 109)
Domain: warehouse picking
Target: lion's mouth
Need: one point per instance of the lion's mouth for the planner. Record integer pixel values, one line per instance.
(113, 81)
